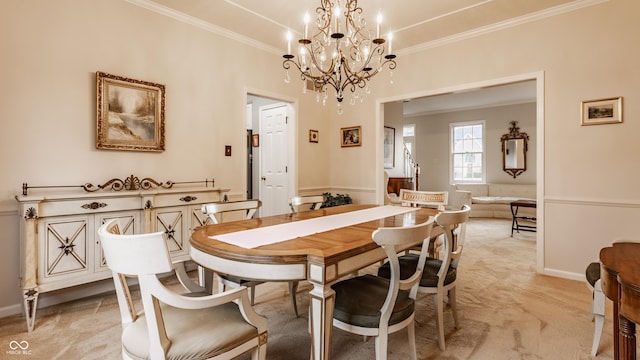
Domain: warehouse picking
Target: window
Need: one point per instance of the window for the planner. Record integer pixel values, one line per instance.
(467, 152)
(408, 135)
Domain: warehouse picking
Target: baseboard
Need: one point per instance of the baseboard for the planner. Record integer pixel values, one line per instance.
(61, 296)
(564, 274)
(10, 310)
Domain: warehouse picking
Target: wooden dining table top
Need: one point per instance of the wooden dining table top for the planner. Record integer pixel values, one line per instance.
(323, 247)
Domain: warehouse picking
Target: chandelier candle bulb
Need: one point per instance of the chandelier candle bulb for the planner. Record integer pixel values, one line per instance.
(306, 25)
(379, 21)
(390, 42)
(336, 13)
(289, 36)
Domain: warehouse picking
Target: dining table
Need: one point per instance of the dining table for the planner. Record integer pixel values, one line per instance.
(319, 246)
(620, 279)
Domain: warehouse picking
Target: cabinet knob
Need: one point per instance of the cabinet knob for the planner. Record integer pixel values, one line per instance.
(188, 198)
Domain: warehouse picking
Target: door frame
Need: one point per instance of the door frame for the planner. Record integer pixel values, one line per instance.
(292, 139)
(538, 76)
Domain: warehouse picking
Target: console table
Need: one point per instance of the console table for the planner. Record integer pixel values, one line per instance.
(59, 247)
(529, 221)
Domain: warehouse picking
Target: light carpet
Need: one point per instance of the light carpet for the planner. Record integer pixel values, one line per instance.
(506, 311)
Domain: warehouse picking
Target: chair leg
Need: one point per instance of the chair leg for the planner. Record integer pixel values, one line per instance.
(220, 284)
(381, 346)
(598, 315)
(439, 302)
(259, 353)
(293, 290)
(411, 330)
(454, 308)
(252, 295)
(597, 333)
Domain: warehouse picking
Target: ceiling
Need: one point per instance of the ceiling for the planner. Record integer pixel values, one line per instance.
(415, 24)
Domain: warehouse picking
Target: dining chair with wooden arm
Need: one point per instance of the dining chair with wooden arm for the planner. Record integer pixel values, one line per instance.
(173, 325)
(374, 306)
(438, 275)
(314, 202)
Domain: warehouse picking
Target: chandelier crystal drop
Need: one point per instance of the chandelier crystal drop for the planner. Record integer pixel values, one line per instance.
(340, 52)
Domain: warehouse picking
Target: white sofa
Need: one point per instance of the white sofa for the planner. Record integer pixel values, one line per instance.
(494, 200)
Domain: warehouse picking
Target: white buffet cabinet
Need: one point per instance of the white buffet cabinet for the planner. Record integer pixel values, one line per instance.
(59, 245)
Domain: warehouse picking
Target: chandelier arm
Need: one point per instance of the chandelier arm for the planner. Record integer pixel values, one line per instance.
(316, 64)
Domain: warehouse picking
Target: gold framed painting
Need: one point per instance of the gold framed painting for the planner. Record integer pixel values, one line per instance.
(602, 111)
(129, 114)
(351, 136)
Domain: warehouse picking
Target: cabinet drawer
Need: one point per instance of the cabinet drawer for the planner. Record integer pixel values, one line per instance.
(89, 206)
(184, 198)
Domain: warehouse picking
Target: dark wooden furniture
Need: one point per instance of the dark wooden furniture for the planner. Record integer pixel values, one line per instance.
(519, 222)
(321, 258)
(396, 183)
(620, 279)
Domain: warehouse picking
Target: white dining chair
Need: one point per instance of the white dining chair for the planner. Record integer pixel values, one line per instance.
(246, 208)
(439, 275)
(374, 306)
(172, 325)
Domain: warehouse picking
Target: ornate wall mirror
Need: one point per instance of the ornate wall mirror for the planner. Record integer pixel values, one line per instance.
(514, 150)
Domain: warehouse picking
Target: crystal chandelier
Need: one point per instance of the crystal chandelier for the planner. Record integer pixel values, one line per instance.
(340, 52)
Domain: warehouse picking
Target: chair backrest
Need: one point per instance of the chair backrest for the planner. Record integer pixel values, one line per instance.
(139, 254)
(437, 199)
(132, 256)
(394, 240)
(314, 200)
(453, 224)
(215, 211)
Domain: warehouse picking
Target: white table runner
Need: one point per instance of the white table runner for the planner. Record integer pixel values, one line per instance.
(253, 238)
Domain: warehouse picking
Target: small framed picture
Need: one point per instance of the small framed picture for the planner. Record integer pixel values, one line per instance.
(602, 111)
(389, 147)
(351, 136)
(255, 140)
(313, 136)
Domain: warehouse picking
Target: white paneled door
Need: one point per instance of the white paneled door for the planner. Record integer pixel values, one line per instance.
(274, 191)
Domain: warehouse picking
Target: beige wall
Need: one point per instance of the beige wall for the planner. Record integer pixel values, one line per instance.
(47, 97)
(433, 143)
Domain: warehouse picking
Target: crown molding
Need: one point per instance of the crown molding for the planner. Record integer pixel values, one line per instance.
(543, 14)
(204, 25)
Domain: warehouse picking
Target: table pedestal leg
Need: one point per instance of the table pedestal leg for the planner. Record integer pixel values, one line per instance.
(627, 339)
(321, 320)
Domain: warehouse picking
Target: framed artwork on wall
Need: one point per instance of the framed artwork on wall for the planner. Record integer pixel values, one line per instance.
(389, 147)
(602, 111)
(129, 114)
(313, 136)
(351, 136)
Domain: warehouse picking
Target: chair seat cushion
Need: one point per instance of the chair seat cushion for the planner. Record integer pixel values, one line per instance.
(408, 264)
(359, 300)
(593, 273)
(194, 334)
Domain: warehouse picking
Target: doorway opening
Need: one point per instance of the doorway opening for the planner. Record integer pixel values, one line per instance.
(537, 81)
(271, 157)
